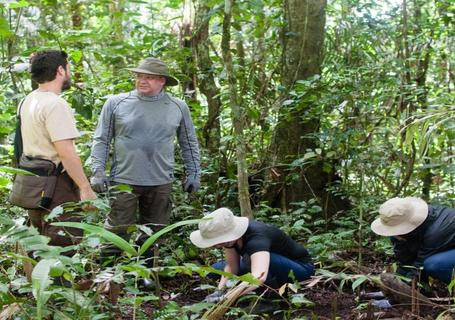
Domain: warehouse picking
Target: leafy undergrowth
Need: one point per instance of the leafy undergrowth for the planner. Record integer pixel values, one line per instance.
(115, 292)
(331, 294)
(322, 301)
(334, 294)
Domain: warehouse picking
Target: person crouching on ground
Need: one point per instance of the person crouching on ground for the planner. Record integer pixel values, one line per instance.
(252, 246)
(422, 235)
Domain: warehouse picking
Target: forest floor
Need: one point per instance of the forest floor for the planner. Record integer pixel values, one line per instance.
(324, 297)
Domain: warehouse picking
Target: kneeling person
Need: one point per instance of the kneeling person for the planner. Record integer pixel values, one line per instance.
(422, 235)
(252, 246)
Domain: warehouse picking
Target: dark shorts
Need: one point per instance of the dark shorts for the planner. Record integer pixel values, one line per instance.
(65, 191)
(146, 205)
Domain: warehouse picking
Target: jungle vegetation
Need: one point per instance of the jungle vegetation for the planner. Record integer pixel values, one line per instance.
(309, 114)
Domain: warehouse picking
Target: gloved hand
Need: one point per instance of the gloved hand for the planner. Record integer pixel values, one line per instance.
(382, 304)
(192, 184)
(214, 297)
(99, 181)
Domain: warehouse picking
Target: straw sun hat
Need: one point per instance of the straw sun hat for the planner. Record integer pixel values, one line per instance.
(217, 227)
(399, 216)
(156, 67)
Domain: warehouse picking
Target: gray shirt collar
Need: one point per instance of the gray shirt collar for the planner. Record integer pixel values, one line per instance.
(149, 98)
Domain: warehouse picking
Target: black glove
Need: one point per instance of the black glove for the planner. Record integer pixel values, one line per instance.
(99, 181)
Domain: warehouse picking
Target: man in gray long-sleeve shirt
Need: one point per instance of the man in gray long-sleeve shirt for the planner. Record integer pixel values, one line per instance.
(143, 125)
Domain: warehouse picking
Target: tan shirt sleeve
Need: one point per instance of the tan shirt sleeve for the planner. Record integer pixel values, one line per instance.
(60, 122)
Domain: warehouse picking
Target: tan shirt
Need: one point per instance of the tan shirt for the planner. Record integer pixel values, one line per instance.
(46, 118)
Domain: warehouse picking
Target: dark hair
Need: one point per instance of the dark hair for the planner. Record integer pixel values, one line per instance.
(44, 64)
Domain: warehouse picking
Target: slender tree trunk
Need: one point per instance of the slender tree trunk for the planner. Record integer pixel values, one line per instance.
(188, 68)
(76, 19)
(423, 55)
(238, 116)
(205, 82)
(116, 9)
(206, 78)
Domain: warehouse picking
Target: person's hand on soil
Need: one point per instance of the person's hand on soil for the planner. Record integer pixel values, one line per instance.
(214, 297)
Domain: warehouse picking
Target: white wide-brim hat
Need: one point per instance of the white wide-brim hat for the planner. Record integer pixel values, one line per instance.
(399, 216)
(217, 227)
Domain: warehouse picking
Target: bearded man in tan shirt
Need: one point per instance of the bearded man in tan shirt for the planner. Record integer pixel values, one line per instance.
(48, 132)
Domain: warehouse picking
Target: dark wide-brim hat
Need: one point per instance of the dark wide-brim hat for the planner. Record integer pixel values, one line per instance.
(156, 67)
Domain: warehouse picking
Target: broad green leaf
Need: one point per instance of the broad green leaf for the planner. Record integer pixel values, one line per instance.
(309, 154)
(4, 28)
(41, 281)
(4, 181)
(18, 4)
(358, 282)
(57, 211)
(76, 55)
(150, 241)
(451, 285)
(137, 269)
(34, 241)
(60, 315)
(21, 257)
(16, 171)
(297, 162)
(40, 273)
(197, 307)
(299, 299)
(101, 232)
(75, 297)
(121, 187)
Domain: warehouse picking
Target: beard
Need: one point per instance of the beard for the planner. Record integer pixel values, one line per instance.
(66, 84)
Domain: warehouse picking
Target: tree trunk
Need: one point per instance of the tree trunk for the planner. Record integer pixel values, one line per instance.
(206, 78)
(76, 19)
(294, 135)
(303, 38)
(188, 85)
(423, 55)
(116, 9)
(238, 116)
(205, 82)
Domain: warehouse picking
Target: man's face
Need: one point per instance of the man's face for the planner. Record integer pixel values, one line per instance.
(149, 84)
(67, 79)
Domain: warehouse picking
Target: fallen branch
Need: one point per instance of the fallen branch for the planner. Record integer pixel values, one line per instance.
(218, 310)
(403, 293)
